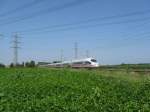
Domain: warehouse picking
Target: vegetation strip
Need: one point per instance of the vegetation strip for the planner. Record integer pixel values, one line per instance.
(67, 90)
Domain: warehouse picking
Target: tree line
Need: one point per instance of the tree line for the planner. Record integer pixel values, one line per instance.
(23, 64)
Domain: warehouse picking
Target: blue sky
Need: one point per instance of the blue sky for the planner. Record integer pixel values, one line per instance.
(111, 41)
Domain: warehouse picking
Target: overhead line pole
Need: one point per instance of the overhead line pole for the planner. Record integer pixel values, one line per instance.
(61, 55)
(76, 50)
(87, 53)
(1, 35)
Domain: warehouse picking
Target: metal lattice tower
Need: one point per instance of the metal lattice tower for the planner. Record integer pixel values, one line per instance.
(15, 48)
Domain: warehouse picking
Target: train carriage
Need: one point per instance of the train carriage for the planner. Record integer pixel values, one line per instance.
(81, 63)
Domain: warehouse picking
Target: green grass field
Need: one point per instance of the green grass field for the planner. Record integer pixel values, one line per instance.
(66, 90)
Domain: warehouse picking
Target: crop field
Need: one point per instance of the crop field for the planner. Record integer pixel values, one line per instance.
(68, 90)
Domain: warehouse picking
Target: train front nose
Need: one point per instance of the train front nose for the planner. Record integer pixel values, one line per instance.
(96, 65)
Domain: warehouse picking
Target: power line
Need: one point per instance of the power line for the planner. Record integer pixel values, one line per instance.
(136, 28)
(92, 25)
(2, 4)
(46, 11)
(136, 35)
(22, 7)
(89, 21)
(121, 45)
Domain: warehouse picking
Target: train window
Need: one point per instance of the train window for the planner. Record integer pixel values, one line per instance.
(86, 62)
(78, 63)
(93, 60)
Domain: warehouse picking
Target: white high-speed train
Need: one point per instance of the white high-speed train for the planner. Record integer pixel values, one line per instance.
(80, 63)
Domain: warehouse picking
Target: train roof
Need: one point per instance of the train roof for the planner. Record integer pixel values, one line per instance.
(72, 61)
(77, 60)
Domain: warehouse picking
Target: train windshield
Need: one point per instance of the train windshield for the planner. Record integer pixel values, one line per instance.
(93, 60)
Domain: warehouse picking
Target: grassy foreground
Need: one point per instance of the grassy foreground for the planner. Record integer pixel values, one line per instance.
(62, 90)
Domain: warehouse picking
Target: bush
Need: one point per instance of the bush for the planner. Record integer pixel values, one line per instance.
(30, 64)
(2, 65)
